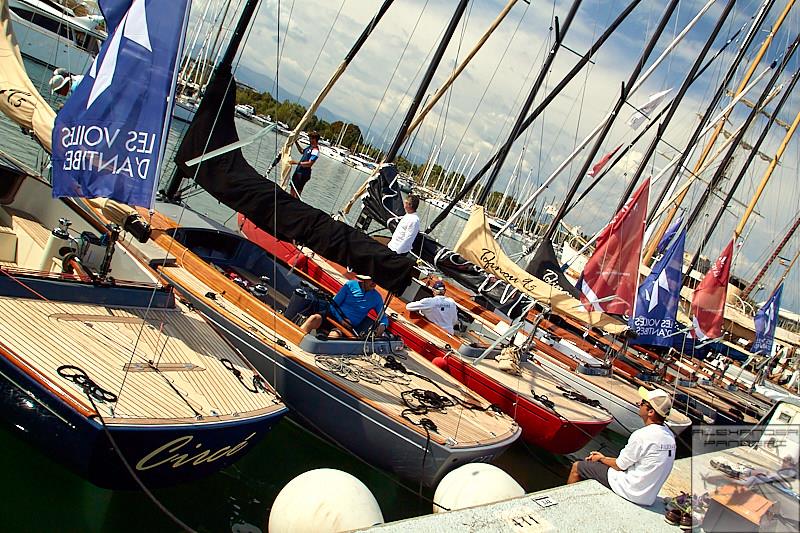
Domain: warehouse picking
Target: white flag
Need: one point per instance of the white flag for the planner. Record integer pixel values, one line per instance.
(640, 116)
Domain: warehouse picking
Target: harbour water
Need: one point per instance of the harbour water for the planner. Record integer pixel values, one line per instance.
(40, 495)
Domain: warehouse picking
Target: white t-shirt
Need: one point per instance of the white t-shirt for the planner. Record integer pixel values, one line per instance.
(646, 462)
(439, 309)
(404, 234)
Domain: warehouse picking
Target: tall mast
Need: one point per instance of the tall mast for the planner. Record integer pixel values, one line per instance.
(720, 172)
(312, 108)
(537, 84)
(609, 122)
(753, 151)
(542, 105)
(767, 174)
(764, 46)
(654, 121)
(746, 292)
(687, 81)
(585, 141)
(172, 190)
(391, 153)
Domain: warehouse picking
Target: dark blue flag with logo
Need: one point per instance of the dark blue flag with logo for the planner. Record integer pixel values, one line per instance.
(671, 231)
(655, 316)
(114, 11)
(766, 319)
(108, 139)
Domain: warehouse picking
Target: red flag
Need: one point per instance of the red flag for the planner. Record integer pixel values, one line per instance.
(708, 302)
(603, 160)
(612, 272)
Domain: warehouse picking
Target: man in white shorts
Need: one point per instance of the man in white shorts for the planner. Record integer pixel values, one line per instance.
(646, 460)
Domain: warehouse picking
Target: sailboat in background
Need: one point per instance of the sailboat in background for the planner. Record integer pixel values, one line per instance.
(112, 376)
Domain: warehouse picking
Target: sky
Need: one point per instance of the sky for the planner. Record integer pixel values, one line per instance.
(300, 43)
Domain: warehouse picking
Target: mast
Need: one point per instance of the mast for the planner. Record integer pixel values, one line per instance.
(746, 292)
(545, 102)
(171, 192)
(764, 46)
(537, 84)
(312, 108)
(394, 148)
(767, 174)
(579, 148)
(674, 105)
(753, 151)
(609, 121)
(720, 172)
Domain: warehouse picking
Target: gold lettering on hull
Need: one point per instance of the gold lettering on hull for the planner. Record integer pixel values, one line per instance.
(179, 454)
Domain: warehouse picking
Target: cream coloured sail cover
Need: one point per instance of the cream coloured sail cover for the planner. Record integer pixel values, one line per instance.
(19, 99)
(477, 245)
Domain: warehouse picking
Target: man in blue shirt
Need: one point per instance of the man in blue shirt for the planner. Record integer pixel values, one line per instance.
(302, 174)
(351, 307)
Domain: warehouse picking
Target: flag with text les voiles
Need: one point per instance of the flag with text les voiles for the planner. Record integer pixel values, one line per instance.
(107, 139)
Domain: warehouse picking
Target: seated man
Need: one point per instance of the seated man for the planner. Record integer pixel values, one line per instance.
(351, 305)
(646, 460)
(439, 309)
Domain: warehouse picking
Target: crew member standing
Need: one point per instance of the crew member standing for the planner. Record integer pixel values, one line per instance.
(302, 174)
(407, 229)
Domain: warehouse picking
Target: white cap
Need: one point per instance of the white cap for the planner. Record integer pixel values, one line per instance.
(57, 82)
(659, 400)
(363, 277)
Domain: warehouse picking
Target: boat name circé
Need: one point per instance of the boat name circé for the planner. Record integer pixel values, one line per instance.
(152, 459)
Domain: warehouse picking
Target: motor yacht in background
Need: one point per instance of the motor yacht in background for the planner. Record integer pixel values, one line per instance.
(55, 36)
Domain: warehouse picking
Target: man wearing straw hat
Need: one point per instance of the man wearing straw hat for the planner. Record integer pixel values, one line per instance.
(63, 83)
(646, 460)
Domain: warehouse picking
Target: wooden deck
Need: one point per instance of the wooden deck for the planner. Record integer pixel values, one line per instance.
(464, 427)
(532, 377)
(165, 366)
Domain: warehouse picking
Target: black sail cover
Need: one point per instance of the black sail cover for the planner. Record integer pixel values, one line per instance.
(383, 203)
(233, 181)
(546, 267)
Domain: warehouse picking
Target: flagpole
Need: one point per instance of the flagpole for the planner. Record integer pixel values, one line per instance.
(168, 116)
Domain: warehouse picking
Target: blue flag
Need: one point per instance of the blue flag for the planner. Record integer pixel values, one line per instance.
(671, 231)
(654, 317)
(108, 138)
(766, 319)
(113, 11)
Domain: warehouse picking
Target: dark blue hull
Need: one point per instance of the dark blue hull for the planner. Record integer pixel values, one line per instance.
(160, 454)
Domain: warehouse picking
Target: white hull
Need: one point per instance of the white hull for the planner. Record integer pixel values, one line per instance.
(48, 48)
(625, 413)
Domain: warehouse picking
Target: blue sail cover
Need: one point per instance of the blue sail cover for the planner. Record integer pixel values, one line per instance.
(766, 319)
(107, 139)
(654, 317)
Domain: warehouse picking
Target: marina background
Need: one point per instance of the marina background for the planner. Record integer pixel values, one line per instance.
(239, 497)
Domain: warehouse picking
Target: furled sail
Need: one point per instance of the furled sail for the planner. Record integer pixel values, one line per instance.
(19, 99)
(230, 179)
(477, 245)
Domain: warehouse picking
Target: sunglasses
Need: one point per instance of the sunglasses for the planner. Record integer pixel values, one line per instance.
(644, 402)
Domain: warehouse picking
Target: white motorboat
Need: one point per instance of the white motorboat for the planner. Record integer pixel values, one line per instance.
(53, 35)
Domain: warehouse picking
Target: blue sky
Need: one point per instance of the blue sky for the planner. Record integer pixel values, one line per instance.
(483, 103)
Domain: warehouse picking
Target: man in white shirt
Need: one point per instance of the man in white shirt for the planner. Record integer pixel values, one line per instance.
(439, 309)
(407, 229)
(646, 460)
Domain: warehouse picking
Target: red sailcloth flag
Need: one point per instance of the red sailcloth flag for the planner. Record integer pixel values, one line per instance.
(603, 160)
(610, 278)
(708, 302)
